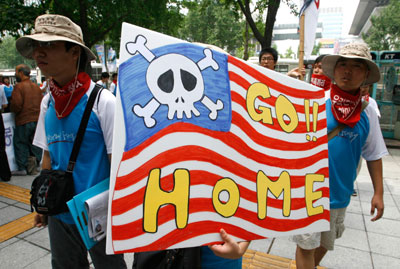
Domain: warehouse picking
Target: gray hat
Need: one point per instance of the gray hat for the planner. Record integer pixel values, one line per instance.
(352, 51)
(51, 27)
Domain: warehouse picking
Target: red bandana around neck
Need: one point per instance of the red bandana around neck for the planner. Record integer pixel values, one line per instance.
(321, 81)
(115, 82)
(365, 97)
(346, 108)
(66, 97)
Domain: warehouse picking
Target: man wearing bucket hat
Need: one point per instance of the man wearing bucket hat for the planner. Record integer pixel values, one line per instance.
(58, 49)
(357, 134)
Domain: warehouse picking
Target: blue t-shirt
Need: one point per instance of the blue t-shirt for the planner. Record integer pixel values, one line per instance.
(344, 156)
(92, 165)
(209, 260)
(8, 90)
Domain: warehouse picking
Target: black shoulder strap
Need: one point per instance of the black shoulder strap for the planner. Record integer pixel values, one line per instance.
(82, 128)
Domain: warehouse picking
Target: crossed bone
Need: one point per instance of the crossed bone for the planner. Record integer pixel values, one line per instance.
(147, 111)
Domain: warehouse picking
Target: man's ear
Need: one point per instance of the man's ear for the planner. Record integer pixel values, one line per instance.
(366, 75)
(76, 51)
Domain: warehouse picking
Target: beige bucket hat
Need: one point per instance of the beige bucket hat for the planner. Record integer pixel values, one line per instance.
(352, 51)
(52, 27)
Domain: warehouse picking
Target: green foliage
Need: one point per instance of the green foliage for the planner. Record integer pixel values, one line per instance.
(316, 49)
(100, 20)
(210, 22)
(17, 19)
(240, 52)
(263, 25)
(289, 54)
(9, 57)
(385, 31)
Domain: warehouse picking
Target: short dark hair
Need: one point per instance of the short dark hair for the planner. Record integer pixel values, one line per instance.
(24, 69)
(105, 75)
(83, 61)
(271, 51)
(114, 75)
(320, 58)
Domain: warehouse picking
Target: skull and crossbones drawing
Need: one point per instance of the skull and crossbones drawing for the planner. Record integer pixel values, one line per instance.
(176, 81)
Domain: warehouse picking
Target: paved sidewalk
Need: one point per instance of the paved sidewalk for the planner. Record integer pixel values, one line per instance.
(365, 244)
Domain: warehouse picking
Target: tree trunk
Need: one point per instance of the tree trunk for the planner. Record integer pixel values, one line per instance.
(266, 39)
(246, 42)
(83, 23)
(269, 22)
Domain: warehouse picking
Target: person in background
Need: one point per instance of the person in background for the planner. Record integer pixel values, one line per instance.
(268, 58)
(25, 103)
(59, 51)
(318, 78)
(361, 135)
(297, 73)
(113, 86)
(5, 173)
(44, 87)
(365, 92)
(104, 80)
(8, 88)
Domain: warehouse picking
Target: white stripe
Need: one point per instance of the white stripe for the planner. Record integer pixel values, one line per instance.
(204, 166)
(177, 139)
(242, 92)
(276, 153)
(278, 77)
(277, 134)
(319, 225)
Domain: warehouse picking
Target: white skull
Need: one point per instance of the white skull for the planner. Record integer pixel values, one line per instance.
(179, 84)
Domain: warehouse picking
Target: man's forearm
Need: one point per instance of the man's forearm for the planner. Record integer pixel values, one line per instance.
(46, 160)
(375, 171)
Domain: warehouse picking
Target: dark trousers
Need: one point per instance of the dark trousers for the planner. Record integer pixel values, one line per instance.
(5, 173)
(68, 250)
(23, 148)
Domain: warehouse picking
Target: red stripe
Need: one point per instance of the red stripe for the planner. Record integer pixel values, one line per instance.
(271, 100)
(274, 143)
(167, 213)
(286, 90)
(236, 143)
(187, 153)
(259, 138)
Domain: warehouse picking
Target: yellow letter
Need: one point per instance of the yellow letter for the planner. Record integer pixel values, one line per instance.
(255, 90)
(264, 184)
(229, 208)
(284, 107)
(313, 195)
(155, 197)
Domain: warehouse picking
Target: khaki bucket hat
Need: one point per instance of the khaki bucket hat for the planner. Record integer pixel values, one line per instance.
(52, 27)
(352, 51)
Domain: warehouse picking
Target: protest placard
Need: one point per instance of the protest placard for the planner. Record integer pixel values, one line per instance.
(204, 141)
(9, 126)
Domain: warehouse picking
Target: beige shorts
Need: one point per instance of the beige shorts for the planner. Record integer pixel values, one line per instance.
(324, 239)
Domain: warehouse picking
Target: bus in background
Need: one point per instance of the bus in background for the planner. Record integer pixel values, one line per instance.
(10, 73)
(38, 78)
